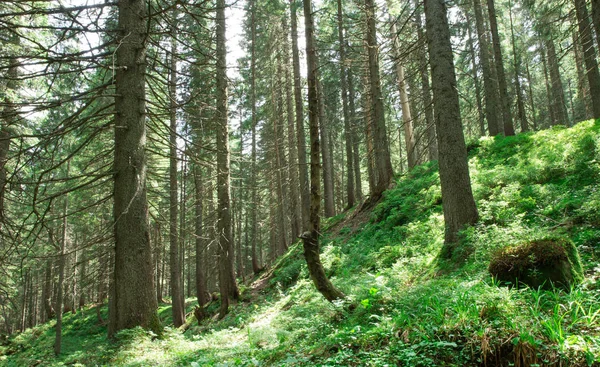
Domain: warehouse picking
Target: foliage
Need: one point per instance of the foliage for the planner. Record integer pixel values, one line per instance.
(405, 307)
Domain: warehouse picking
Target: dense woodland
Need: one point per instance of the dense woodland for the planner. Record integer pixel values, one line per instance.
(157, 189)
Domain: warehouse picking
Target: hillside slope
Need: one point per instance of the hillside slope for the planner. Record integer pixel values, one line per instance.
(411, 309)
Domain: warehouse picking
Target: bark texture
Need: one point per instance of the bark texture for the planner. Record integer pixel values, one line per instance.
(133, 302)
(457, 197)
(589, 55)
(311, 237)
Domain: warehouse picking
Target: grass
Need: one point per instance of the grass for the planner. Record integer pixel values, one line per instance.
(411, 308)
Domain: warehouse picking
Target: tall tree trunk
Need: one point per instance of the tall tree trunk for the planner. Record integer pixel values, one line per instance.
(133, 296)
(534, 116)
(558, 94)
(311, 237)
(517, 66)
(177, 308)
(492, 104)
(551, 106)
(596, 19)
(327, 162)
(47, 292)
(302, 163)
(350, 195)
(432, 147)
(383, 163)
(589, 55)
(61, 270)
(457, 197)
(227, 282)
(254, 202)
(354, 125)
(480, 115)
(201, 291)
(279, 165)
(407, 121)
(582, 88)
(7, 121)
(505, 101)
(294, 180)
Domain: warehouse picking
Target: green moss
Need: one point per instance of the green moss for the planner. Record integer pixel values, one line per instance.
(540, 263)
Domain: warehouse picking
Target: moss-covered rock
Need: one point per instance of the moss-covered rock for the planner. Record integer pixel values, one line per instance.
(539, 263)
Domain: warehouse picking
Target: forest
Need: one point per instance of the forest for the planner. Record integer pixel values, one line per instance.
(300, 183)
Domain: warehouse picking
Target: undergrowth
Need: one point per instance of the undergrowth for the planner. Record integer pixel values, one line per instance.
(411, 309)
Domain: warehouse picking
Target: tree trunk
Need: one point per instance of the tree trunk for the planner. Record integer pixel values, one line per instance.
(505, 101)
(47, 293)
(476, 82)
(354, 124)
(551, 106)
(596, 19)
(383, 163)
(311, 237)
(457, 197)
(227, 283)
(350, 195)
(279, 161)
(492, 104)
(326, 147)
(407, 121)
(589, 55)
(8, 120)
(302, 163)
(201, 291)
(254, 203)
(177, 308)
(294, 180)
(61, 271)
(517, 66)
(432, 148)
(558, 94)
(582, 88)
(133, 293)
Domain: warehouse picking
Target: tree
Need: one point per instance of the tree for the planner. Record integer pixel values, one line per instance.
(178, 308)
(227, 283)
(311, 237)
(492, 104)
(381, 149)
(457, 197)
(505, 101)
(589, 55)
(133, 299)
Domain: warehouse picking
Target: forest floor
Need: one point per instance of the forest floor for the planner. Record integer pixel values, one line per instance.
(412, 309)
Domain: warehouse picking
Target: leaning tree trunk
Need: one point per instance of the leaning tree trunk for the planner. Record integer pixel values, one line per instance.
(589, 55)
(133, 302)
(311, 237)
(407, 122)
(457, 197)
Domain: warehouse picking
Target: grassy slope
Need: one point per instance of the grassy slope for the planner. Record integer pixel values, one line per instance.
(411, 309)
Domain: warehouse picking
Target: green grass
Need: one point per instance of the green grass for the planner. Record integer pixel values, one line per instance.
(411, 308)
